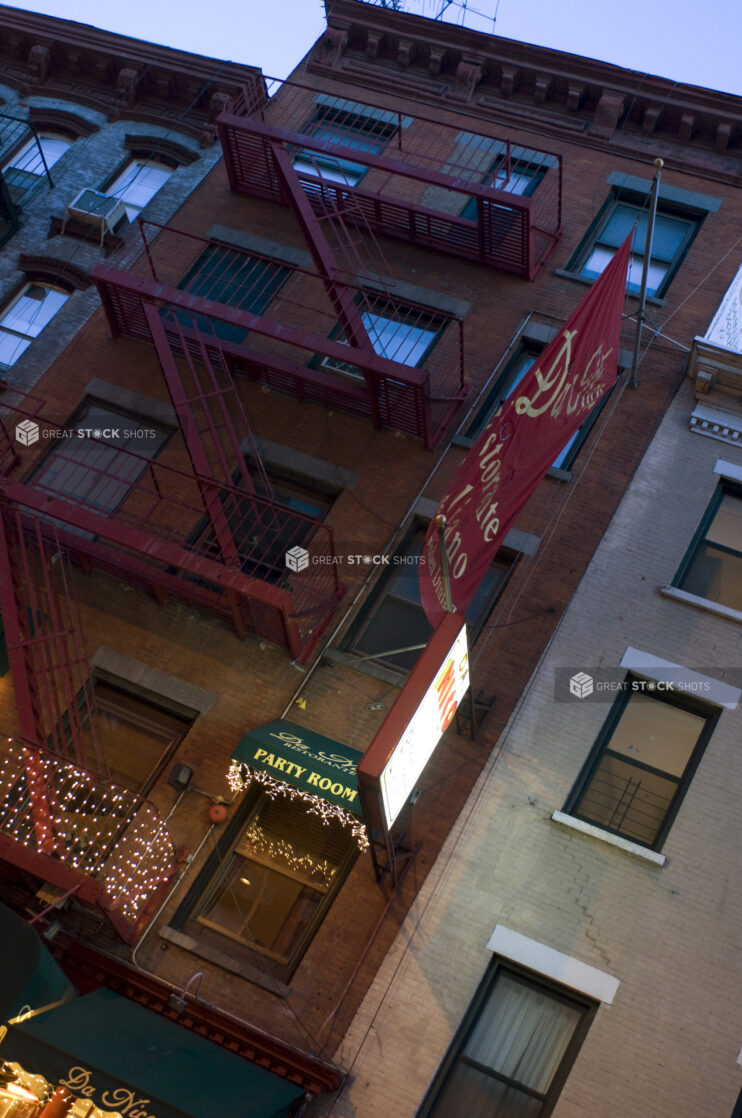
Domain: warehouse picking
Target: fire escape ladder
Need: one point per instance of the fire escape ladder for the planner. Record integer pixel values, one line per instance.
(197, 449)
(333, 277)
(45, 649)
(339, 217)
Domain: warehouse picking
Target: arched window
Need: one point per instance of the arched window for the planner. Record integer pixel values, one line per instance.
(25, 317)
(138, 183)
(24, 169)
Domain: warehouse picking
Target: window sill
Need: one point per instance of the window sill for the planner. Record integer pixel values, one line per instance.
(226, 962)
(82, 231)
(558, 473)
(701, 603)
(627, 845)
(565, 274)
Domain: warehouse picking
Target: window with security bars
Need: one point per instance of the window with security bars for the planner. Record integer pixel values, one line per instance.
(105, 455)
(348, 126)
(405, 334)
(277, 880)
(623, 214)
(264, 526)
(712, 568)
(514, 1050)
(505, 385)
(235, 279)
(642, 764)
(519, 176)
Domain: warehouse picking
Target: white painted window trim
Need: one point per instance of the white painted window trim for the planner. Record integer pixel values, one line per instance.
(561, 968)
(728, 469)
(701, 603)
(624, 844)
(688, 682)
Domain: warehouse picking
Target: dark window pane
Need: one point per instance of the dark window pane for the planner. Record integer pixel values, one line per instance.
(235, 279)
(715, 571)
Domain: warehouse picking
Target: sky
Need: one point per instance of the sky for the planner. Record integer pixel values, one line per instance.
(660, 37)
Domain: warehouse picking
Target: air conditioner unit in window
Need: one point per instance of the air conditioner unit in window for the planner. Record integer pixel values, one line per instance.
(95, 208)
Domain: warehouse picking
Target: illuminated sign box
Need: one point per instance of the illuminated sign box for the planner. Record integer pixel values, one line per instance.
(403, 745)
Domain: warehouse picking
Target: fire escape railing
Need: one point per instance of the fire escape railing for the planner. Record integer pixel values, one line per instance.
(153, 525)
(296, 340)
(24, 168)
(83, 834)
(416, 176)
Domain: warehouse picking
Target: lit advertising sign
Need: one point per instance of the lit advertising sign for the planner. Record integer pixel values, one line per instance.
(402, 746)
(424, 730)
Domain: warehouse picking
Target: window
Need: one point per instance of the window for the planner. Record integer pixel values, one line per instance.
(136, 735)
(395, 618)
(514, 1050)
(99, 468)
(236, 279)
(674, 231)
(272, 880)
(504, 386)
(404, 334)
(26, 168)
(138, 183)
(642, 763)
(263, 532)
(712, 569)
(25, 318)
(362, 131)
(519, 177)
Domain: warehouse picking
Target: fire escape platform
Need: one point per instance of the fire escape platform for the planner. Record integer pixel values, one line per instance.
(292, 341)
(414, 187)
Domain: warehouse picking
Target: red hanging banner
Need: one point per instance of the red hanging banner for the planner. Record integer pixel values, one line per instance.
(521, 441)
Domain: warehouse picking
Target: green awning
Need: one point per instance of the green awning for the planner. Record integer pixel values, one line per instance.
(318, 766)
(29, 976)
(119, 1055)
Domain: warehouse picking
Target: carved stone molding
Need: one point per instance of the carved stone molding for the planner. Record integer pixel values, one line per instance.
(607, 115)
(468, 77)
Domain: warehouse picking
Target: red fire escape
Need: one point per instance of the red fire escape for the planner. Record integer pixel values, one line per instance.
(62, 819)
(419, 180)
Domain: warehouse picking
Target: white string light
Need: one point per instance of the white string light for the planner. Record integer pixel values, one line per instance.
(240, 775)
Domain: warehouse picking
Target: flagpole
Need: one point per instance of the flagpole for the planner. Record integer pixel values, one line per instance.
(659, 164)
(440, 527)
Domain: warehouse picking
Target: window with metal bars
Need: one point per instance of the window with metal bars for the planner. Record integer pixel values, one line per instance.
(341, 125)
(264, 526)
(405, 334)
(235, 279)
(24, 170)
(712, 567)
(514, 1050)
(104, 456)
(642, 763)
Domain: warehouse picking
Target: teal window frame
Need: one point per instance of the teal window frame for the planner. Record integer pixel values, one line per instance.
(624, 211)
(695, 553)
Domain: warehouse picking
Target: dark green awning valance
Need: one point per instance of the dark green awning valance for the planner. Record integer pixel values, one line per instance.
(119, 1055)
(319, 769)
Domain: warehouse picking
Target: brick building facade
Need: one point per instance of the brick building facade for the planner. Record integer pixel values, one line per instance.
(304, 351)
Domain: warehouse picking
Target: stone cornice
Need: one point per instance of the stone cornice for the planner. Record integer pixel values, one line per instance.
(122, 77)
(557, 92)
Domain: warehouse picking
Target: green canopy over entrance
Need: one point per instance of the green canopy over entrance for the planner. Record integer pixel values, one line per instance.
(121, 1056)
(316, 765)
